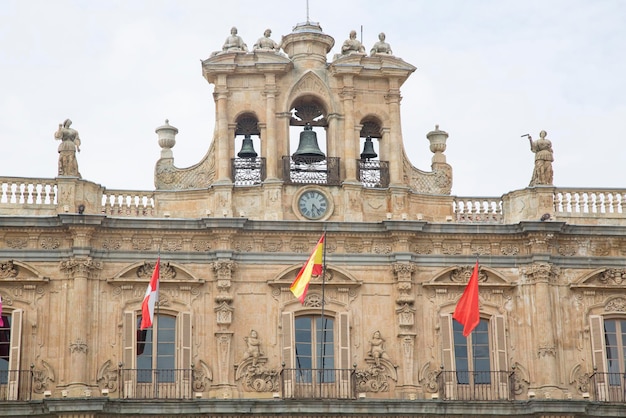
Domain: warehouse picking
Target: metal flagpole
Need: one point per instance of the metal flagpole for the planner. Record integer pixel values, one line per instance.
(155, 337)
(323, 351)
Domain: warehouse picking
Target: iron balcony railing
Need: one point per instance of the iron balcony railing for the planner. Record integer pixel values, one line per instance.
(16, 385)
(476, 386)
(373, 173)
(318, 384)
(310, 171)
(156, 383)
(608, 387)
(248, 171)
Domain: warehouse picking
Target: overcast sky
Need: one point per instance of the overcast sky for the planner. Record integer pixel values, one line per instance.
(488, 71)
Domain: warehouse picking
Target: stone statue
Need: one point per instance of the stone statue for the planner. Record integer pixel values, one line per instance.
(266, 43)
(234, 43)
(381, 47)
(254, 347)
(352, 45)
(542, 174)
(70, 143)
(377, 347)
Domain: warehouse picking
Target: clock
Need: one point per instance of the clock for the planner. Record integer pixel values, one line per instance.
(313, 204)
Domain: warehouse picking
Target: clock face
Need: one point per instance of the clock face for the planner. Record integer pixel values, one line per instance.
(313, 204)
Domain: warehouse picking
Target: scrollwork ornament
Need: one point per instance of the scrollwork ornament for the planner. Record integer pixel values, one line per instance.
(462, 274)
(8, 270)
(616, 305)
(617, 276)
(83, 266)
(107, 376)
(42, 376)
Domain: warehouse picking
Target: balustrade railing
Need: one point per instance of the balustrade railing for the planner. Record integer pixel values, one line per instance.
(608, 387)
(19, 190)
(478, 209)
(589, 201)
(318, 384)
(128, 203)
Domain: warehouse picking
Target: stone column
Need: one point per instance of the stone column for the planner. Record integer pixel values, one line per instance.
(78, 319)
(282, 140)
(223, 140)
(395, 138)
(349, 143)
(543, 275)
(272, 158)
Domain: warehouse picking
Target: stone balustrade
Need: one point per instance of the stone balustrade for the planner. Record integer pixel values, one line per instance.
(49, 197)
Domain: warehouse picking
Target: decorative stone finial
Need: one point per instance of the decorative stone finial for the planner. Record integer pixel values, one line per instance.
(167, 138)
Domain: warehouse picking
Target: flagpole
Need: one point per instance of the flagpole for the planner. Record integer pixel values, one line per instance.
(323, 304)
(155, 337)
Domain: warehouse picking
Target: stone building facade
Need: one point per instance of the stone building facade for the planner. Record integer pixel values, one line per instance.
(375, 335)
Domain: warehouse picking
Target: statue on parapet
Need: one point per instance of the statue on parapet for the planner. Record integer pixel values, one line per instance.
(266, 43)
(542, 173)
(381, 47)
(234, 42)
(352, 45)
(70, 143)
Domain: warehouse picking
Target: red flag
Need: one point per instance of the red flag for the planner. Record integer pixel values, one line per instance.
(152, 295)
(467, 311)
(313, 267)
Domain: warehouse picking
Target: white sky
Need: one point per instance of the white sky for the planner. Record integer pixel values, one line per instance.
(488, 71)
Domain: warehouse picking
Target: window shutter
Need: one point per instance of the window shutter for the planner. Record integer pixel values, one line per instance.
(14, 354)
(599, 359)
(129, 344)
(344, 354)
(288, 354)
(447, 352)
(499, 357)
(184, 360)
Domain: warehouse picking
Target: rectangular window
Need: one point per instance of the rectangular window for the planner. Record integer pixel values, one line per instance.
(472, 354)
(315, 355)
(156, 350)
(5, 345)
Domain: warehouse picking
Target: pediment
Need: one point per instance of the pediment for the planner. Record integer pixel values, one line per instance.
(310, 84)
(141, 272)
(604, 278)
(459, 275)
(16, 271)
(334, 277)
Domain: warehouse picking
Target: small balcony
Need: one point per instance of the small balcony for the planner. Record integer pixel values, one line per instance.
(16, 385)
(248, 171)
(476, 386)
(156, 383)
(608, 387)
(318, 384)
(373, 173)
(310, 171)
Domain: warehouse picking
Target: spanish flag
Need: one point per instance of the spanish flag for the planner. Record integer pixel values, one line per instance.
(313, 267)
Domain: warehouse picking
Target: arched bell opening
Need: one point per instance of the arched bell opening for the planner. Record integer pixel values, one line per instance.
(308, 160)
(247, 165)
(372, 172)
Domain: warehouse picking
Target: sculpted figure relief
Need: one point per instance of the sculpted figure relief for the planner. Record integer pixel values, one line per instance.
(266, 43)
(234, 43)
(70, 143)
(254, 347)
(381, 47)
(377, 347)
(352, 45)
(542, 174)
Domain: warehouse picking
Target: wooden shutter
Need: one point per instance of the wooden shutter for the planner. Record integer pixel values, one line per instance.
(598, 348)
(14, 354)
(288, 342)
(129, 344)
(184, 359)
(344, 354)
(499, 355)
(447, 354)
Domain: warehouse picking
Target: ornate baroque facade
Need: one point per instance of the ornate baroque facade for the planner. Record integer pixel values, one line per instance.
(375, 331)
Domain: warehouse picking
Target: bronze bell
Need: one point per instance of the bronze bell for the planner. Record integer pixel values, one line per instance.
(368, 149)
(308, 151)
(247, 148)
